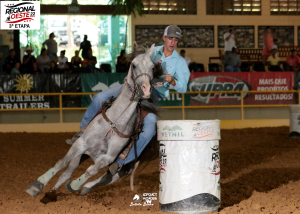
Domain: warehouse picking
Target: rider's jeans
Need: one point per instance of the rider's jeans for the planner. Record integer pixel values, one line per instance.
(149, 128)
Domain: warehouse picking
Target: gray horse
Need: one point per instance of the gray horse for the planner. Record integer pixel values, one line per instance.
(100, 140)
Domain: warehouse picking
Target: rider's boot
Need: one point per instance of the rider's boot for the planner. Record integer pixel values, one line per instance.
(71, 141)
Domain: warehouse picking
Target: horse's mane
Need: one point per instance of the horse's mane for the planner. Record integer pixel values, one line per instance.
(140, 49)
(148, 104)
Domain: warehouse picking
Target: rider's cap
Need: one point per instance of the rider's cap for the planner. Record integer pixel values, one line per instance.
(172, 31)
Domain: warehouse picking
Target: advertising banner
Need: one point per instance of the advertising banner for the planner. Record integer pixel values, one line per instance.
(24, 84)
(105, 81)
(99, 82)
(65, 83)
(242, 81)
(39, 83)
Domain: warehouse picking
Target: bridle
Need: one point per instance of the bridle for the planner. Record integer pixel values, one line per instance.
(135, 90)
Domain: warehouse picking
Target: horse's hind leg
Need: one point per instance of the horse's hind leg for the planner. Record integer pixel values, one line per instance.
(104, 180)
(72, 166)
(75, 185)
(36, 187)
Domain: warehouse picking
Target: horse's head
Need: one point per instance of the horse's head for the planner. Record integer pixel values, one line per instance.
(141, 71)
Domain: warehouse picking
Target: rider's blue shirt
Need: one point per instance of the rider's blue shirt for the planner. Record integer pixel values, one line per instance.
(174, 65)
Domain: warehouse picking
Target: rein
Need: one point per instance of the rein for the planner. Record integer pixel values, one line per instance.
(133, 98)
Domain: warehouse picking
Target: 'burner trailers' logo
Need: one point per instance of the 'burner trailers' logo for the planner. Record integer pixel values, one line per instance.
(20, 15)
(218, 83)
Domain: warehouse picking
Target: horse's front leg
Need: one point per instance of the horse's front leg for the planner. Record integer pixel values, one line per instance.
(36, 187)
(102, 162)
(68, 172)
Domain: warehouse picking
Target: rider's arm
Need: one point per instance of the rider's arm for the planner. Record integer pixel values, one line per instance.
(181, 76)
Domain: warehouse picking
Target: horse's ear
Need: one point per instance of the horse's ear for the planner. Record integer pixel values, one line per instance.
(134, 47)
(151, 50)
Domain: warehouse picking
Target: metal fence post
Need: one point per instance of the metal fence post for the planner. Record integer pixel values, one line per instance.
(182, 107)
(60, 109)
(242, 106)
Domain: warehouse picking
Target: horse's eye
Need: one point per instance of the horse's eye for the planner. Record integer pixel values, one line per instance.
(153, 69)
(133, 66)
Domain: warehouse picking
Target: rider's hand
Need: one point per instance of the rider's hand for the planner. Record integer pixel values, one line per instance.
(170, 79)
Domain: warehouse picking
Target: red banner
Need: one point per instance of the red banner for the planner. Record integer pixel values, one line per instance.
(242, 81)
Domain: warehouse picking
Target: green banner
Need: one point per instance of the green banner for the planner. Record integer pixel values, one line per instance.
(102, 82)
(99, 83)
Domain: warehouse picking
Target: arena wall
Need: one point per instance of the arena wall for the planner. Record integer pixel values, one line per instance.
(201, 55)
(48, 121)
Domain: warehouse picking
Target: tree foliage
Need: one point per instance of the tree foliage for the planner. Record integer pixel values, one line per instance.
(127, 7)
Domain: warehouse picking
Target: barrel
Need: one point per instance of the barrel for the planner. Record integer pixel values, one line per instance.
(294, 121)
(189, 166)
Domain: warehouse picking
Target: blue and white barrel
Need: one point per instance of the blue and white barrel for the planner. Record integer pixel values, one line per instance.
(294, 121)
(189, 166)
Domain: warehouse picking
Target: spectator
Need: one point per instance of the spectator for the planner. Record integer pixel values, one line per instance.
(92, 60)
(53, 68)
(28, 61)
(293, 61)
(273, 61)
(52, 47)
(1, 55)
(275, 44)
(35, 69)
(85, 46)
(84, 67)
(67, 69)
(76, 61)
(122, 63)
(62, 60)
(192, 65)
(268, 44)
(229, 40)
(10, 61)
(233, 61)
(43, 61)
(15, 69)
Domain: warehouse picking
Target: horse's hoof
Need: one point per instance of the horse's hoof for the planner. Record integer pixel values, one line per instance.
(35, 188)
(69, 188)
(85, 191)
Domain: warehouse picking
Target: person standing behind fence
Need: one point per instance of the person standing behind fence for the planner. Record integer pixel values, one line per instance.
(268, 44)
(233, 61)
(10, 61)
(52, 47)
(192, 65)
(229, 40)
(1, 54)
(43, 61)
(85, 46)
(76, 61)
(273, 61)
(62, 60)
(293, 61)
(15, 69)
(28, 61)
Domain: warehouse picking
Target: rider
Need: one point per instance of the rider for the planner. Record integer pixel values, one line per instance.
(176, 73)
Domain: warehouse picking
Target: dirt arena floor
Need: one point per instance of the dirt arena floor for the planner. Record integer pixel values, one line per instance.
(260, 173)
